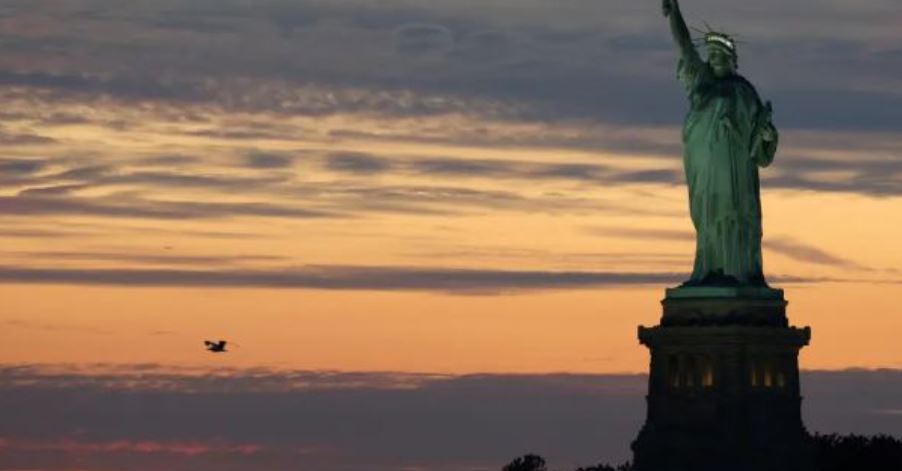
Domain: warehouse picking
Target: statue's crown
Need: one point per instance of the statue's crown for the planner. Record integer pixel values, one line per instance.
(721, 39)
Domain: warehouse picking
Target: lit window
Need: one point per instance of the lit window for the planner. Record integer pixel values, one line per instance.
(768, 376)
(691, 371)
(673, 371)
(707, 373)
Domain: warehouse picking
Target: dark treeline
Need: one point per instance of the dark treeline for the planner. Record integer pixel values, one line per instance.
(833, 452)
(537, 463)
(857, 452)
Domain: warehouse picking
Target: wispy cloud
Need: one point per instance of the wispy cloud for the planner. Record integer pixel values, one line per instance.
(265, 160)
(146, 258)
(808, 253)
(141, 447)
(451, 280)
(137, 208)
(641, 233)
(381, 278)
(785, 246)
(356, 162)
(583, 61)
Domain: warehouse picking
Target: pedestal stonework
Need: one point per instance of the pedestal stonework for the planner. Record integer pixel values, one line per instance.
(723, 389)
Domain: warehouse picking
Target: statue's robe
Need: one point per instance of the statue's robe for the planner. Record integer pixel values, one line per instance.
(722, 152)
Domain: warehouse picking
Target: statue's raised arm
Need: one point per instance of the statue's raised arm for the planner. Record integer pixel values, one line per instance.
(671, 9)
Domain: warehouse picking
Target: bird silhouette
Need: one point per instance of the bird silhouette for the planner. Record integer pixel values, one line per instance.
(216, 347)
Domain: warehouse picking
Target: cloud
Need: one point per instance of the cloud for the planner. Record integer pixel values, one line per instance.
(512, 169)
(788, 247)
(24, 139)
(356, 163)
(641, 233)
(837, 108)
(38, 233)
(252, 134)
(54, 190)
(466, 167)
(70, 446)
(572, 171)
(451, 167)
(147, 192)
(175, 160)
(591, 138)
(97, 176)
(154, 417)
(873, 185)
(433, 421)
(488, 46)
(386, 278)
(79, 85)
(152, 259)
(460, 281)
(117, 208)
(423, 39)
(21, 166)
(558, 257)
(86, 172)
(179, 22)
(610, 63)
(263, 160)
(664, 176)
(198, 380)
(808, 253)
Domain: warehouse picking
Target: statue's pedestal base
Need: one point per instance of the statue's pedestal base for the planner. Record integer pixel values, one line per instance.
(756, 306)
(723, 386)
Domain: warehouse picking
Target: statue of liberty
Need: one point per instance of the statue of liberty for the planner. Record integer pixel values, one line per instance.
(727, 135)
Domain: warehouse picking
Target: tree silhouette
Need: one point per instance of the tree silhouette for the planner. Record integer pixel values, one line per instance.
(527, 463)
(833, 452)
(606, 467)
(857, 453)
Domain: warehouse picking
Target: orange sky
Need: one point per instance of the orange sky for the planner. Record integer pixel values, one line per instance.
(381, 209)
(443, 186)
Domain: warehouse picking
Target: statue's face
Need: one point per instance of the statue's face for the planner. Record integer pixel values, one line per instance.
(722, 63)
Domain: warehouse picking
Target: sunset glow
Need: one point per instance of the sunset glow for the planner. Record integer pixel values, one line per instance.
(446, 188)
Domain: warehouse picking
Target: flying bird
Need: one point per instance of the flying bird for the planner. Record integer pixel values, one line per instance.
(216, 347)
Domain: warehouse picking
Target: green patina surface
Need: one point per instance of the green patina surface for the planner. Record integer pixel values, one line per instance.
(754, 292)
(727, 136)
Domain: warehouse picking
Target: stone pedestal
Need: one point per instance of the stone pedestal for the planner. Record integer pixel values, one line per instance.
(723, 388)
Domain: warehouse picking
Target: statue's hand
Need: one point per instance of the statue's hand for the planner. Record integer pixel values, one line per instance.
(667, 7)
(768, 133)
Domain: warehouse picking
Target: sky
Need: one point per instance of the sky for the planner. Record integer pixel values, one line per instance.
(425, 190)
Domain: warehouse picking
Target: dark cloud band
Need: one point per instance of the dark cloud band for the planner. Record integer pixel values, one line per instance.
(144, 417)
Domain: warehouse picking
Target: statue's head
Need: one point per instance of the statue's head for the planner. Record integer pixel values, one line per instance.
(721, 53)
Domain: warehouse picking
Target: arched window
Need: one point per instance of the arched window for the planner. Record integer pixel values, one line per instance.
(753, 372)
(691, 372)
(768, 374)
(782, 369)
(673, 371)
(707, 372)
